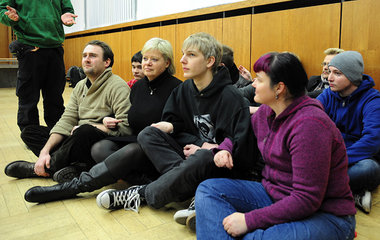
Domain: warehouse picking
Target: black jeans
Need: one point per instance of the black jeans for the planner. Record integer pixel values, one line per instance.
(180, 177)
(73, 150)
(41, 70)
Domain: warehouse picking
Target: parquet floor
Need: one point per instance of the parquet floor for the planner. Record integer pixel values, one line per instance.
(80, 218)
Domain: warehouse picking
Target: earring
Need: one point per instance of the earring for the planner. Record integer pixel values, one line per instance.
(276, 96)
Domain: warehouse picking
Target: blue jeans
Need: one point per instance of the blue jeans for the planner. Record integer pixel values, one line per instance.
(215, 199)
(364, 175)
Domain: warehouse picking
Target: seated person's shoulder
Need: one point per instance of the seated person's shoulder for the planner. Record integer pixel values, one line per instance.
(230, 92)
(118, 81)
(313, 82)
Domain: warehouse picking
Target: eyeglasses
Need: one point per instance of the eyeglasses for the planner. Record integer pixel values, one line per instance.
(324, 64)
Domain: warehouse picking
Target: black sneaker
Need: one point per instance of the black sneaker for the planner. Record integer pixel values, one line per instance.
(364, 201)
(128, 199)
(66, 174)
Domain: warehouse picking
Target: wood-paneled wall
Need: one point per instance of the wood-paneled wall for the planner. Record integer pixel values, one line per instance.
(305, 30)
(361, 32)
(4, 41)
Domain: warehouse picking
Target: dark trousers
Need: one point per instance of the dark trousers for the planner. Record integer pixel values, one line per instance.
(73, 150)
(42, 70)
(180, 177)
(127, 162)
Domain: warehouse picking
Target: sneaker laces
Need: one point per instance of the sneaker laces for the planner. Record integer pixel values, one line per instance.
(192, 206)
(358, 199)
(129, 198)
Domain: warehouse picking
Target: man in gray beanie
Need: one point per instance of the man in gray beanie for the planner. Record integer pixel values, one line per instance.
(351, 65)
(354, 105)
(319, 83)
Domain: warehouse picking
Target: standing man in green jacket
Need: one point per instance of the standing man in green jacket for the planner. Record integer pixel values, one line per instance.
(89, 117)
(38, 48)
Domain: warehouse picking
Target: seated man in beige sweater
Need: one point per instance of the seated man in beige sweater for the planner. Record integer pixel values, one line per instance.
(65, 151)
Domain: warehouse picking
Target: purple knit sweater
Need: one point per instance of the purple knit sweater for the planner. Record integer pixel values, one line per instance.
(305, 164)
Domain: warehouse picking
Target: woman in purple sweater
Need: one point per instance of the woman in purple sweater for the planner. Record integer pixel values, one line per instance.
(304, 193)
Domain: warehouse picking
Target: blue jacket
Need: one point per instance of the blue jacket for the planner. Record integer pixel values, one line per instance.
(358, 118)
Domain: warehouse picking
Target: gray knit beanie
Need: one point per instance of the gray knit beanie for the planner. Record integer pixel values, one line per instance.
(350, 63)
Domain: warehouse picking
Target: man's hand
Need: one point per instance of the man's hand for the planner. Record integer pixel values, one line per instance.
(68, 18)
(163, 126)
(12, 14)
(42, 162)
(110, 122)
(190, 149)
(223, 159)
(235, 225)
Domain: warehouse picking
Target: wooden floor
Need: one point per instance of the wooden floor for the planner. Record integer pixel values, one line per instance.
(80, 218)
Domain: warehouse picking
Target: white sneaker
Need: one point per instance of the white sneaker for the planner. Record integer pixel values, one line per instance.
(128, 199)
(181, 215)
(364, 201)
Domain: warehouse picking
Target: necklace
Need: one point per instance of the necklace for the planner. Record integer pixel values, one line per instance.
(151, 90)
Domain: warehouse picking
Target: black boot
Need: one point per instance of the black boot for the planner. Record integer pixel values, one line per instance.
(20, 169)
(97, 177)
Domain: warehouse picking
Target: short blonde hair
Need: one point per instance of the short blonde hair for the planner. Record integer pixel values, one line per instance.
(333, 51)
(164, 47)
(207, 45)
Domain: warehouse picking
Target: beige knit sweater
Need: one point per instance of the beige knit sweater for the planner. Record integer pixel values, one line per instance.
(108, 96)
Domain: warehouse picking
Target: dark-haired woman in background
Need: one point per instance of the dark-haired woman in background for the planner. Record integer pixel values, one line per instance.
(304, 193)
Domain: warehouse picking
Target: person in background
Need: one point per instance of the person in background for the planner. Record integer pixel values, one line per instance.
(66, 151)
(354, 105)
(38, 48)
(241, 78)
(122, 157)
(137, 71)
(319, 83)
(304, 193)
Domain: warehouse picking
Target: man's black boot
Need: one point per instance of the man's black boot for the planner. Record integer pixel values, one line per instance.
(97, 177)
(20, 169)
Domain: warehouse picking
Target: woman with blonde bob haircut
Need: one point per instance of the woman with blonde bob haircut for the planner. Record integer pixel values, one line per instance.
(164, 47)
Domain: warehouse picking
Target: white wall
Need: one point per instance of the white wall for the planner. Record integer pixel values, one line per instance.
(102, 13)
(80, 25)
(155, 8)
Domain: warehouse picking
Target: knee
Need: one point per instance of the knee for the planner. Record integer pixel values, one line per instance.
(101, 150)
(32, 132)
(84, 130)
(204, 189)
(202, 158)
(97, 152)
(368, 166)
(147, 134)
(27, 132)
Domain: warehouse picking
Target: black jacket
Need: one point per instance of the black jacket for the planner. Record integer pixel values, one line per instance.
(148, 99)
(313, 83)
(211, 115)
